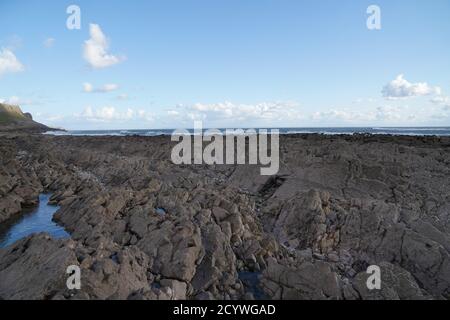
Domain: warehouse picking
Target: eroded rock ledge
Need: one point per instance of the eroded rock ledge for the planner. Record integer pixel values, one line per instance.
(143, 228)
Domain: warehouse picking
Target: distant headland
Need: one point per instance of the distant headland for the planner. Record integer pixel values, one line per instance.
(13, 119)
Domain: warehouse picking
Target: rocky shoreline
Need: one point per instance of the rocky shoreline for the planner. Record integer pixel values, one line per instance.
(144, 228)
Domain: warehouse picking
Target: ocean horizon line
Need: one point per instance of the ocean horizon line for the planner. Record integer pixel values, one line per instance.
(412, 131)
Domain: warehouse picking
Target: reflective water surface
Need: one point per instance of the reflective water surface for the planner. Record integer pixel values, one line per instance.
(35, 220)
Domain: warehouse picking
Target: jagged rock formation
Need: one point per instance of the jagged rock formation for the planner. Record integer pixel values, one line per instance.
(144, 228)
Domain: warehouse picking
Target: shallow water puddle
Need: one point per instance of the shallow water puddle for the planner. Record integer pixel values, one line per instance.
(35, 221)
(160, 211)
(252, 284)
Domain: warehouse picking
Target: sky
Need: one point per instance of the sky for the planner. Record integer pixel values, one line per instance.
(230, 63)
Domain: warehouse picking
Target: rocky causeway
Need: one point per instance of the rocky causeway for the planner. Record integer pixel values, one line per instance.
(143, 228)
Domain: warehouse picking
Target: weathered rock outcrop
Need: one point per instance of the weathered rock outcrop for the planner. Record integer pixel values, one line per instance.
(144, 228)
(34, 268)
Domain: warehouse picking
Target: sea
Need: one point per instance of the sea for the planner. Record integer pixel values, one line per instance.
(409, 131)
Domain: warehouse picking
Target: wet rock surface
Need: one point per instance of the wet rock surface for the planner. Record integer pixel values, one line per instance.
(144, 228)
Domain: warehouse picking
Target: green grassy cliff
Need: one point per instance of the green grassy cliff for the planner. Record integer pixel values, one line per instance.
(12, 118)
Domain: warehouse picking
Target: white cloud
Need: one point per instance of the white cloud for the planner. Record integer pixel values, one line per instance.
(383, 115)
(402, 88)
(110, 114)
(109, 87)
(104, 114)
(379, 114)
(145, 115)
(129, 114)
(96, 49)
(17, 101)
(173, 113)
(343, 115)
(49, 42)
(444, 101)
(364, 100)
(9, 62)
(439, 99)
(266, 111)
(53, 118)
(393, 113)
(123, 97)
(89, 88)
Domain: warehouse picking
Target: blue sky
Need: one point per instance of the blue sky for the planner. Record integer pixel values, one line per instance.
(229, 63)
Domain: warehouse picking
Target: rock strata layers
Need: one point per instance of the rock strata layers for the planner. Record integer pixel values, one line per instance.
(144, 228)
